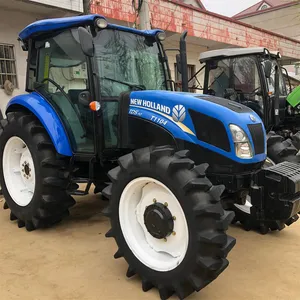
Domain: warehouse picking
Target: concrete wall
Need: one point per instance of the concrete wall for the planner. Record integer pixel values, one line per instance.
(12, 21)
(8, 34)
(193, 52)
(74, 5)
(285, 21)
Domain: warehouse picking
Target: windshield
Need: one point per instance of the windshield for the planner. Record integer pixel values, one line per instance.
(271, 80)
(126, 61)
(235, 78)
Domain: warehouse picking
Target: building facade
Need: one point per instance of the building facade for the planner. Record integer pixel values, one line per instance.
(14, 16)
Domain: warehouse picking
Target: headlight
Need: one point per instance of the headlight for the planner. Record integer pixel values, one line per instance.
(241, 142)
(161, 36)
(101, 23)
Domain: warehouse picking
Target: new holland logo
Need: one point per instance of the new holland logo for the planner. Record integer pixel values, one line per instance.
(178, 113)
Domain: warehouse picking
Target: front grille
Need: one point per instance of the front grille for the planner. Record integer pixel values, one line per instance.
(210, 130)
(258, 137)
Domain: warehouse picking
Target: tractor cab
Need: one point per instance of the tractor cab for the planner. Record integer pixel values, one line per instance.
(251, 76)
(89, 64)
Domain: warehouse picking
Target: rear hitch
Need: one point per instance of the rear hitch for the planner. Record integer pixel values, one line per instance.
(275, 194)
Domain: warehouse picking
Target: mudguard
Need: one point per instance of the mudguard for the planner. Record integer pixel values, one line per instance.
(171, 111)
(47, 116)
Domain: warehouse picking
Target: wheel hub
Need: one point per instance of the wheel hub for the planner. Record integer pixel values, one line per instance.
(26, 169)
(158, 220)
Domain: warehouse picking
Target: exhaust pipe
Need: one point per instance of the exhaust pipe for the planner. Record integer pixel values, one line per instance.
(183, 62)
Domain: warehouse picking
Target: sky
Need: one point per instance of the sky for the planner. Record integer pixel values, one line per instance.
(228, 7)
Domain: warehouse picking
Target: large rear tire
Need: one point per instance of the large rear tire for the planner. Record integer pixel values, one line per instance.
(33, 177)
(167, 220)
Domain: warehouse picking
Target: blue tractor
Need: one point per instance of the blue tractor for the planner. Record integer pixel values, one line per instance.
(101, 109)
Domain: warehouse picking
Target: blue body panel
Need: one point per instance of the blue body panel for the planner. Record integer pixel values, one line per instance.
(48, 117)
(47, 25)
(151, 32)
(157, 107)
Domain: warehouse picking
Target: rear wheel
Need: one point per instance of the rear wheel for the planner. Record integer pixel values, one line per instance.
(167, 220)
(33, 177)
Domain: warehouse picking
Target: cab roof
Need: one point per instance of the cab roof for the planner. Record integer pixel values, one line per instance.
(231, 52)
(47, 25)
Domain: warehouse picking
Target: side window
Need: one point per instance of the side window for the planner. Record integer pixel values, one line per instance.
(62, 74)
(8, 71)
(191, 73)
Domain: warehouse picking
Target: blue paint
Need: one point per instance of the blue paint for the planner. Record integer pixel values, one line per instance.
(48, 117)
(190, 101)
(47, 25)
(152, 32)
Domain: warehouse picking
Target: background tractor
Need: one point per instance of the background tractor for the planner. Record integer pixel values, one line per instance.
(254, 77)
(100, 110)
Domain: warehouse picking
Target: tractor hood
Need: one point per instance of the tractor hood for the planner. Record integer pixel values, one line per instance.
(201, 119)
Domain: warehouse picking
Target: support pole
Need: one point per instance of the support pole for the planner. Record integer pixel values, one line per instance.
(145, 16)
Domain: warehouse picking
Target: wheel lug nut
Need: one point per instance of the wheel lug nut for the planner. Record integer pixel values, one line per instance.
(166, 204)
(173, 233)
(154, 200)
(24, 175)
(165, 240)
(174, 218)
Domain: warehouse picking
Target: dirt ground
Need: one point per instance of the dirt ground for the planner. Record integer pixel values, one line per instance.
(74, 261)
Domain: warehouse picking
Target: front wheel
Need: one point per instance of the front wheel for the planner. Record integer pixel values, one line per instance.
(167, 220)
(33, 178)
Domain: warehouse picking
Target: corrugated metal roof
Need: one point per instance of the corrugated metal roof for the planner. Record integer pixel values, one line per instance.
(255, 8)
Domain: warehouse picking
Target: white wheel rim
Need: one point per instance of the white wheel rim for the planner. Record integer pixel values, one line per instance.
(157, 254)
(247, 207)
(18, 171)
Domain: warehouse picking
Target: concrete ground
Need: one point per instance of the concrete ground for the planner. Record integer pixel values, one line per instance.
(74, 261)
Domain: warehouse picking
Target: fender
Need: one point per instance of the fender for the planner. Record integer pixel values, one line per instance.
(47, 116)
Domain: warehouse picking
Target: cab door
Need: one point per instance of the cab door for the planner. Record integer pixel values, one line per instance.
(62, 77)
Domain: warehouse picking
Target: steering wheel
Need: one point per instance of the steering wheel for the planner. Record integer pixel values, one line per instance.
(69, 100)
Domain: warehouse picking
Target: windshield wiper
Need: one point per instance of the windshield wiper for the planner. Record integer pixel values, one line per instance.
(137, 86)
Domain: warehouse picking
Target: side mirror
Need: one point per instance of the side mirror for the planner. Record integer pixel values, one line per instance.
(178, 62)
(86, 42)
(268, 68)
(84, 98)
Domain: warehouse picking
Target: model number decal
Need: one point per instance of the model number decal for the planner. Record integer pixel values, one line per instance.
(159, 120)
(135, 112)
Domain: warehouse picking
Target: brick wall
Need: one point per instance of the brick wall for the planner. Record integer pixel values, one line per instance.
(174, 16)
